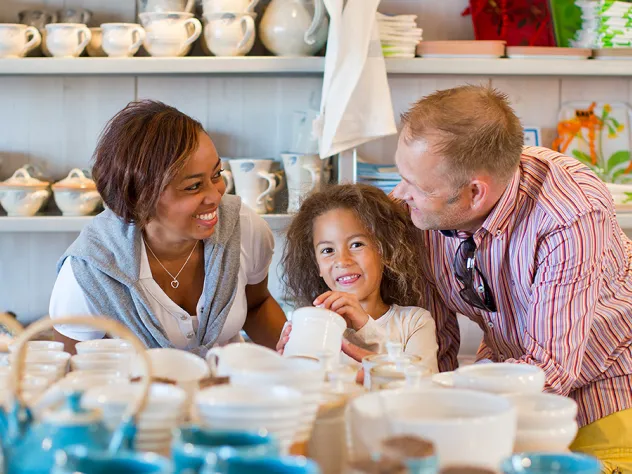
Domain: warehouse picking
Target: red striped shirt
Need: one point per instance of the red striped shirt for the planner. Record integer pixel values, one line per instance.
(560, 270)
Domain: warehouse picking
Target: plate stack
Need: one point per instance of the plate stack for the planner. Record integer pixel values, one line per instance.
(615, 30)
(588, 35)
(384, 177)
(399, 35)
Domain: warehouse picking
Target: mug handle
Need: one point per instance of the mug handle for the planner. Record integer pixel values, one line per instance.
(196, 32)
(248, 25)
(140, 32)
(271, 179)
(189, 7)
(228, 177)
(34, 42)
(252, 6)
(314, 173)
(87, 38)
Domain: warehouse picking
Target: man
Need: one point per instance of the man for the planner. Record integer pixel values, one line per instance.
(524, 242)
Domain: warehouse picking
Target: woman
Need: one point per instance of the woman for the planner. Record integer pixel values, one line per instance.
(171, 257)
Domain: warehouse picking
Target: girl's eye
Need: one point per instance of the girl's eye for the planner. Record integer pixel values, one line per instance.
(356, 245)
(327, 251)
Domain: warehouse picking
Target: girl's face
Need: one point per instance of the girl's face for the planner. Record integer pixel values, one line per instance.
(348, 260)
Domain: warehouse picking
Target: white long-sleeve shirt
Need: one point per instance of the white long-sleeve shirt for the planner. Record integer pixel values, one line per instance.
(413, 327)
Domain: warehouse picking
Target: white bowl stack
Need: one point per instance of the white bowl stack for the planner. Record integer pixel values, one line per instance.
(51, 364)
(305, 375)
(546, 422)
(500, 378)
(399, 35)
(276, 409)
(102, 362)
(32, 386)
(161, 415)
(104, 346)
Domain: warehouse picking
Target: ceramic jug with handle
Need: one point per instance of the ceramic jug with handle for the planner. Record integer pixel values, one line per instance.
(294, 27)
(29, 445)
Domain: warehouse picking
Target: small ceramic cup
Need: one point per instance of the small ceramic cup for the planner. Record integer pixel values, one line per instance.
(17, 40)
(170, 34)
(122, 40)
(67, 40)
(229, 34)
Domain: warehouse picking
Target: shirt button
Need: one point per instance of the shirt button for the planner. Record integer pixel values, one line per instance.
(499, 232)
(190, 335)
(490, 325)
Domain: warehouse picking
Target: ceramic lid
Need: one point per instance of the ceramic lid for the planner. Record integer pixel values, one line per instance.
(76, 180)
(22, 179)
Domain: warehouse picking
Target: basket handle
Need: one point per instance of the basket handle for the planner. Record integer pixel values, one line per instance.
(9, 322)
(112, 327)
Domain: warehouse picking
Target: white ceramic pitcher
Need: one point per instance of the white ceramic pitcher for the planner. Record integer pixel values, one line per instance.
(303, 174)
(254, 183)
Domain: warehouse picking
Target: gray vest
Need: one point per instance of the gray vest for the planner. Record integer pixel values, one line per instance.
(105, 259)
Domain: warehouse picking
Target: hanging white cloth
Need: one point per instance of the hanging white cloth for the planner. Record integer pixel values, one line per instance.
(356, 102)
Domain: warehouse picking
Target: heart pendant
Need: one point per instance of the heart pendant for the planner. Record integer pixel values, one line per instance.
(175, 284)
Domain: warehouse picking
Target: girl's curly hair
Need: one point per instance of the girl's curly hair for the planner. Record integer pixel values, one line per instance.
(388, 224)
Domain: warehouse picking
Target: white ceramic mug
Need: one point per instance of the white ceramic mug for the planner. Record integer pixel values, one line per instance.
(303, 174)
(315, 331)
(254, 183)
(170, 34)
(220, 6)
(229, 34)
(16, 40)
(122, 40)
(163, 6)
(67, 40)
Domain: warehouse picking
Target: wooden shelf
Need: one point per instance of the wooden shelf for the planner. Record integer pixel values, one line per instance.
(277, 222)
(308, 65)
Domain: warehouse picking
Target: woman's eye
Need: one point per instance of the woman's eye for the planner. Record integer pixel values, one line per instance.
(217, 175)
(194, 187)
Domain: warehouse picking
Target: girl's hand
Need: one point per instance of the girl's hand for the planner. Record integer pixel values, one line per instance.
(346, 305)
(285, 336)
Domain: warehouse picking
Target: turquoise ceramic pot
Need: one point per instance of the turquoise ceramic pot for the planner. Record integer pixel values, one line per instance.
(267, 465)
(80, 460)
(549, 463)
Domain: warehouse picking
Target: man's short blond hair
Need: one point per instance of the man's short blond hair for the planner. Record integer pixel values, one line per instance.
(473, 127)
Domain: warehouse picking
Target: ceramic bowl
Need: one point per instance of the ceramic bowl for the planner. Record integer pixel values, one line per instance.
(76, 195)
(103, 345)
(223, 360)
(543, 463)
(554, 439)
(500, 378)
(22, 194)
(466, 427)
(543, 410)
(34, 346)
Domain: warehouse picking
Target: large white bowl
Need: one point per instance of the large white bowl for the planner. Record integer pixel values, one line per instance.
(241, 356)
(162, 397)
(466, 427)
(110, 361)
(501, 378)
(543, 410)
(33, 346)
(248, 398)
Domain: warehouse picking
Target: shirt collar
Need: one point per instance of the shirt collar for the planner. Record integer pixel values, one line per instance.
(497, 221)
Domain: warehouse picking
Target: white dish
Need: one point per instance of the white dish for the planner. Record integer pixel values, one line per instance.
(500, 378)
(444, 379)
(33, 346)
(103, 345)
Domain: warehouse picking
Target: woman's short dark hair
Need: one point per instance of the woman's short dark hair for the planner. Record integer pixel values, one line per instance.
(140, 151)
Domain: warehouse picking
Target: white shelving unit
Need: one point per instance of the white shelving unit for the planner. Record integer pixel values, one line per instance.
(43, 223)
(256, 65)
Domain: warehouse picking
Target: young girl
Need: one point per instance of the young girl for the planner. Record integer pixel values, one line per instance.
(353, 250)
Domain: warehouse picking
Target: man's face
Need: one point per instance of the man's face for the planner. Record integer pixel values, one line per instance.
(429, 189)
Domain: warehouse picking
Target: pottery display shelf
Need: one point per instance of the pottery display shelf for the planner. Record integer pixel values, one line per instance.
(309, 65)
(48, 223)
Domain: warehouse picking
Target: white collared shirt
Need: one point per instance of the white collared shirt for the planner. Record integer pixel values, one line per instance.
(257, 247)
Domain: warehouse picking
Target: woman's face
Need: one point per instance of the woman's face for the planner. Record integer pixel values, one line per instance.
(187, 208)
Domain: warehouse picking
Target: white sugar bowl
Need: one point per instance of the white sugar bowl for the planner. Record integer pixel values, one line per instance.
(76, 195)
(22, 194)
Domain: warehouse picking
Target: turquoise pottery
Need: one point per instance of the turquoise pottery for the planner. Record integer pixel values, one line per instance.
(267, 465)
(28, 447)
(428, 465)
(81, 460)
(549, 463)
(192, 445)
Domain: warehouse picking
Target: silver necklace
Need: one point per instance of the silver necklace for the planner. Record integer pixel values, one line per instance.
(174, 283)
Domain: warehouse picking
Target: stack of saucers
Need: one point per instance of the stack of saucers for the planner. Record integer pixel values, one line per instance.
(615, 28)
(399, 35)
(161, 415)
(276, 409)
(44, 359)
(588, 35)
